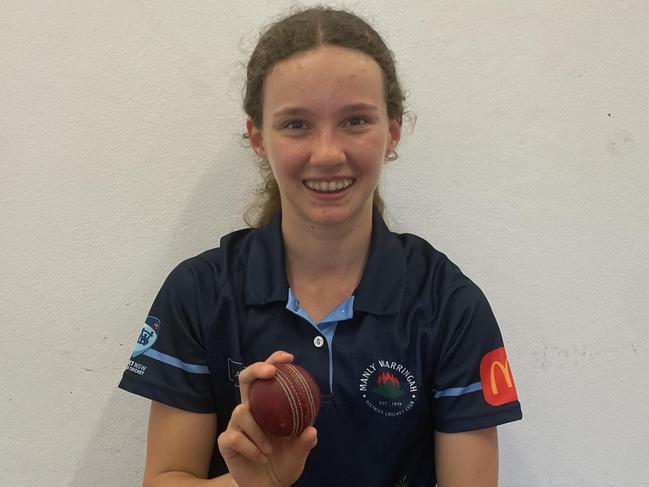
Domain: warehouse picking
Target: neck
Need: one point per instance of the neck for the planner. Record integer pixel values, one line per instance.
(316, 252)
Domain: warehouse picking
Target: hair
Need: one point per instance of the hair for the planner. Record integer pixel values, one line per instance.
(302, 31)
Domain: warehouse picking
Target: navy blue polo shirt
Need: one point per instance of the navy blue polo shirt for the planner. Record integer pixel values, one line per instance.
(415, 349)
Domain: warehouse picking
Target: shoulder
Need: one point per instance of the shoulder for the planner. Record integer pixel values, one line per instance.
(430, 273)
(423, 260)
(212, 266)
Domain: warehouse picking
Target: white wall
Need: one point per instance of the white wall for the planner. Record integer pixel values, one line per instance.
(120, 155)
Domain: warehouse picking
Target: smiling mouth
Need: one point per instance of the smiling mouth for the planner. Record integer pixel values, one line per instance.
(329, 186)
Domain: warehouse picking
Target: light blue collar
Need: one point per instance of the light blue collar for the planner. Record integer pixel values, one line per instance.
(327, 327)
(344, 311)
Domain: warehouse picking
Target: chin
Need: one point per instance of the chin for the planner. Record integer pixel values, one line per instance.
(333, 216)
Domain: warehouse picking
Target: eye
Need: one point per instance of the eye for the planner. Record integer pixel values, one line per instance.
(294, 125)
(357, 121)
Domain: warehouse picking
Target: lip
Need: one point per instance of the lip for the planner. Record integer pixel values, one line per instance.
(328, 196)
(329, 179)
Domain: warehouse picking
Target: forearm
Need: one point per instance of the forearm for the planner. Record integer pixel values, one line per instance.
(184, 479)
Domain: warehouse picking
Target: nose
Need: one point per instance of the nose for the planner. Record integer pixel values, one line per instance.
(328, 149)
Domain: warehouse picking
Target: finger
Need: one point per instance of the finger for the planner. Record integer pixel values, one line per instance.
(261, 370)
(280, 357)
(233, 443)
(307, 440)
(258, 370)
(243, 421)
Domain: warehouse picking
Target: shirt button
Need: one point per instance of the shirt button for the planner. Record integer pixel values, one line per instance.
(318, 341)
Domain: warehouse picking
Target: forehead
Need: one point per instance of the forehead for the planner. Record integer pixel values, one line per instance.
(324, 77)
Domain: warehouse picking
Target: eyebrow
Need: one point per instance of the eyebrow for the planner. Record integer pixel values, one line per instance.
(347, 108)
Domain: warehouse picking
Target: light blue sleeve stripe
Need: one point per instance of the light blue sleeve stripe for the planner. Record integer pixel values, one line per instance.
(459, 391)
(168, 359)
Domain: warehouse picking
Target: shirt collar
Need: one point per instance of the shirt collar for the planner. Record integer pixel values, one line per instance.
(266, 279)
(381, 288)
(379, 292)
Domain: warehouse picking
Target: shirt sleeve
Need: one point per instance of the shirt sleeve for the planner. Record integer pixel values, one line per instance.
(473, 382)
(168, 362)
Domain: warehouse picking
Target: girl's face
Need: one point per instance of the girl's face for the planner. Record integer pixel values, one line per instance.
(325, 133)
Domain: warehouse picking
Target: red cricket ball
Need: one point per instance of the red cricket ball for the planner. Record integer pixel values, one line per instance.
(286, 403)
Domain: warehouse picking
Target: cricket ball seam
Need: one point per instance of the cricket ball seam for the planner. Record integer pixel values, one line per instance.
(292, 398)
(294, 383)
(307, 392)
(299, 420)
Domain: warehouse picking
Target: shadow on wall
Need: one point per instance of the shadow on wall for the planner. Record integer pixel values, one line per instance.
(114, 455)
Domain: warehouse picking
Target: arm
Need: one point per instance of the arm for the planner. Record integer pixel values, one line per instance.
(467, 459)
(179, 447)
(180, 444)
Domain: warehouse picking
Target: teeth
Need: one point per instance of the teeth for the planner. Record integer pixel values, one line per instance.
(329, 187)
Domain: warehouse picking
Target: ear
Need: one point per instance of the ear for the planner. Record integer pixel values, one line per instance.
(256, 139)
(394, 135)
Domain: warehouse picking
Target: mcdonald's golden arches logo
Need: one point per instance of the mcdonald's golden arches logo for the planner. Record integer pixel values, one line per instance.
(497, 382)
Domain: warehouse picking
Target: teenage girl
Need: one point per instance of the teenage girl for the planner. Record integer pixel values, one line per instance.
(405, 348)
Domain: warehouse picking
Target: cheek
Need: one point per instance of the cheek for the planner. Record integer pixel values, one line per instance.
(286, 162)
(370, 152)
(284, 157)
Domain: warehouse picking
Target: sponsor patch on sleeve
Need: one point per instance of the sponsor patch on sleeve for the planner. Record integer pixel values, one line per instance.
(497, 382)
(148, 336)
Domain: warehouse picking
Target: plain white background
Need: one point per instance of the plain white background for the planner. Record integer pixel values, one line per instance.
(120, 155)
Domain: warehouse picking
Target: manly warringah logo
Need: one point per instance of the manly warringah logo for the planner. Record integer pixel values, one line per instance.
(388, 388)
(148, 335)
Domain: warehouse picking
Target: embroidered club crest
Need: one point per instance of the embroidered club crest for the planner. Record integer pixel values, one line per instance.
(388, 388)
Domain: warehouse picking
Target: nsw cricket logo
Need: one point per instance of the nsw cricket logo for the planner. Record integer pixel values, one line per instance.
(148, 335)
(388, 388)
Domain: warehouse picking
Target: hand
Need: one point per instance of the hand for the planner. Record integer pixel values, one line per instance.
(255, 459)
